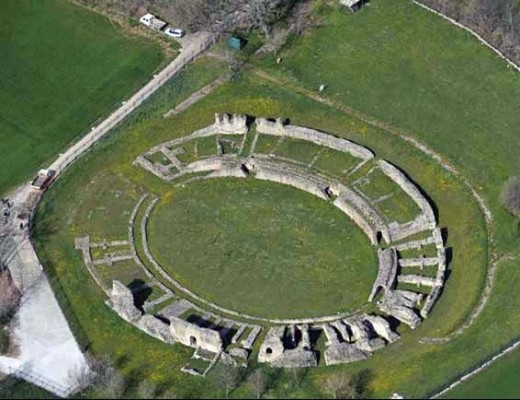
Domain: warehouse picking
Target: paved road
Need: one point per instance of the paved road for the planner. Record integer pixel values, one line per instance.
(47, 352)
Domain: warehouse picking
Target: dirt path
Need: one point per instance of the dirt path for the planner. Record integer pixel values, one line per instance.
(206, 90)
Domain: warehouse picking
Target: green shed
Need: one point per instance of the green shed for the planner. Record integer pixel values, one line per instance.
(236, 43)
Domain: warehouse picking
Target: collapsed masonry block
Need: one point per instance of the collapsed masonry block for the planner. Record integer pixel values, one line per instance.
(344, 353)
(382, 328)
(156, 328)
(122, 302)
(395, 304)
(231, 124)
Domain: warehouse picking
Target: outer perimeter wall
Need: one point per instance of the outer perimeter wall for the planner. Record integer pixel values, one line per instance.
(62, 68)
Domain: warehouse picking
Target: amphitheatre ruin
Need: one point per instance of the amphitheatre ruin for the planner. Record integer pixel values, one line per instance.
(406, 241)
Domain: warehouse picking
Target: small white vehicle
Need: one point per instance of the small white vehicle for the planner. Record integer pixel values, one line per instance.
(41, 181)
(175, 33)
(152, 21)
(147, 19)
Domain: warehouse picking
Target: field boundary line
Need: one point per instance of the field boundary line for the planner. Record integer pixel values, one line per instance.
(478, 369)
(470, 31)
(195, 97)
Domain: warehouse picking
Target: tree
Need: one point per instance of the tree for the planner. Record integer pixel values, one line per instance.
(258, 383)
(146, 390)
(209, 15)
(297, 376)
(341, 386)
(167, 395)
(106, 381)
(265, 13)
(114, 386)
(9, 297)
(227, 379)
(81, 377)
(510, 196)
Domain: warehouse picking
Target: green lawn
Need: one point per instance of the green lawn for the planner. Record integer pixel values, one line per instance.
(263, 249)
(499, 381)
(411, 69)
(62, 68)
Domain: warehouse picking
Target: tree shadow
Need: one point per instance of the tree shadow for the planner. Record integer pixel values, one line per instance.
(362, 383)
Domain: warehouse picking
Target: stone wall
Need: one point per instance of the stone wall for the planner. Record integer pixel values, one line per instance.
(277, 128)
(387, 271)
(375, 220)
(296, 181)
(194, 336)
(344, 205)
(404, 183)
(231, 124)
(121, 300)
(349, 339)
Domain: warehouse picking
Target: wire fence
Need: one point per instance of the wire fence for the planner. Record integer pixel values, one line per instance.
(471, 372)
(37, 380)
(499, 53)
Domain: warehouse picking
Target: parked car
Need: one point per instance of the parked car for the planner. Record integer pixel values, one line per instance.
(175, 33)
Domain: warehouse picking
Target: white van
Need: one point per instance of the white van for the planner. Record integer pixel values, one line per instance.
(147, 19)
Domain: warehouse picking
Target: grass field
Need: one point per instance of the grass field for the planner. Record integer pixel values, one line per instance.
(263, 249)
(406, 67)
(62, 68)
(500, 381)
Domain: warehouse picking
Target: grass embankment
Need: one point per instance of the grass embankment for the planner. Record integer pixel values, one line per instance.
(406, 67)
(114, 156)
(402, 66)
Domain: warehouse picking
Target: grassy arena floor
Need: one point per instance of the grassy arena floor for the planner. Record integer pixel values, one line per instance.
(409, 65)
(62, 68)
(263, 249)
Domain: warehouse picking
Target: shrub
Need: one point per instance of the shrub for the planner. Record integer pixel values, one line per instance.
(9, 297)
(510, 196)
